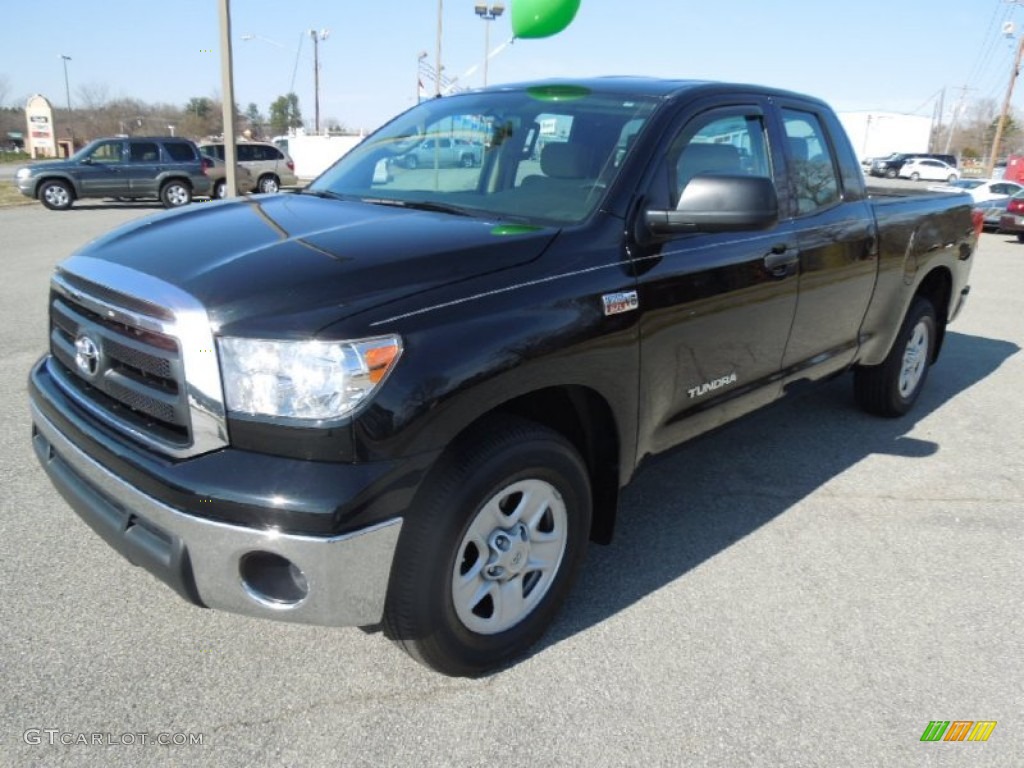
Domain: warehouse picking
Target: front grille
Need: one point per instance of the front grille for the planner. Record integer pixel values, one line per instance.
(130, 376)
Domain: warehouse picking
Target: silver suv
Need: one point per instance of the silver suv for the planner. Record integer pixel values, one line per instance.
(134, 167)
(272, 167)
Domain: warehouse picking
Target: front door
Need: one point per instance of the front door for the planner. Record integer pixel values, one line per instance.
(102, 172)
(717, 307)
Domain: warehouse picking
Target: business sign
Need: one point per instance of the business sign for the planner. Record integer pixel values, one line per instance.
(41, 137)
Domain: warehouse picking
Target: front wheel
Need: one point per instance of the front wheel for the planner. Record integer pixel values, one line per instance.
(468, 161)
(56, 195)
(890, 389)
(915, 177)
(951, 178)
(890, 173)
(269, 184)
(484, 563)
(175, 194)
(220, 190)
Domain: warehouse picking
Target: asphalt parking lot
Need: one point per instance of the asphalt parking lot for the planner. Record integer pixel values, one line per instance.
(807, 587)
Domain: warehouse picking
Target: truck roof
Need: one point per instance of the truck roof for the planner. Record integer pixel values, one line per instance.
(650, 86)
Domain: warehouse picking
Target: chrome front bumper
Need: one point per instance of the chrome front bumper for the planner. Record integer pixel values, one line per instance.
(344, 578)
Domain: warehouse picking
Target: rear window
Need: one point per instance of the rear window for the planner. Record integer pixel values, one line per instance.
(180, 151)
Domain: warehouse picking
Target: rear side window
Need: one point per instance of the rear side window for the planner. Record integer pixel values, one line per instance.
(814, 178)
(246, 153)
(144, 152)
(180, 151)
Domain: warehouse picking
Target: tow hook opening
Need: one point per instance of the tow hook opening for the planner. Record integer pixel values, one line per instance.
(273, 580)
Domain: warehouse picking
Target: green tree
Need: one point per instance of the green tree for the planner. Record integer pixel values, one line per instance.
(255, 119)
(285, 114)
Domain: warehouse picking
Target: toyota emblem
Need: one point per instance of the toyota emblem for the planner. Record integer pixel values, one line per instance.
(87, 356)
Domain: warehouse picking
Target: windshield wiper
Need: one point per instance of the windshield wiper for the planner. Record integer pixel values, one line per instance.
(419, 205)
(326, 194)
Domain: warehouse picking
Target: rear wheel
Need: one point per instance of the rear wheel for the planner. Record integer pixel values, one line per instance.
(56, 195)
(220, 190)
(1020, 237)
(175, 194)
(411, 162)
(468, 161)
(951, 178)
(890, 173)
(269, 184)
(890, 389)
(483, 566)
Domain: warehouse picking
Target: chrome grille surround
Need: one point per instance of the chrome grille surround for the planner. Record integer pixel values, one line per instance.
(159, 382)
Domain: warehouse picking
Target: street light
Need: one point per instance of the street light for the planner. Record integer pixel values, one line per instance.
(317, 37)
(67, 94)
(488, 14)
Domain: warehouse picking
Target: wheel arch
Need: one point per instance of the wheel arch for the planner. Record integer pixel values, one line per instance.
(584, 418)
(937, 287)
(55, 177)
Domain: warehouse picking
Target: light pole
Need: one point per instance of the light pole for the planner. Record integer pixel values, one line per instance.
(488, 14)
(437, 61)
(67, 94)
(317, 37)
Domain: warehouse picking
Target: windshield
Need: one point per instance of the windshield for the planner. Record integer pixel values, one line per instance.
(542, 155)
(967, 183)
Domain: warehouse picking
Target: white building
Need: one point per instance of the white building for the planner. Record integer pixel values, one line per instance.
(877, 134)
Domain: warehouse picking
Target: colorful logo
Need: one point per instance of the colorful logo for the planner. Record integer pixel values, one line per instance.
(958, 730)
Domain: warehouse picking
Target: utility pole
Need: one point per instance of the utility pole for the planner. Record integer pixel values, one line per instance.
(1006, 109)
(317, 37)
(957, 111)
(228, 87)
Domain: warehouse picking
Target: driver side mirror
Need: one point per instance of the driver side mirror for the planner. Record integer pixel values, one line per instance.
(719, 203)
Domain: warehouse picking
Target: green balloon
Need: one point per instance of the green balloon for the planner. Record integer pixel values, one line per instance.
(542, 18)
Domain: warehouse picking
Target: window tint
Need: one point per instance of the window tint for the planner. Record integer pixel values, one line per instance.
(144, 152)
(814, 179)
(732, 144)
(107, 152)
(180, 151)
(246, 153)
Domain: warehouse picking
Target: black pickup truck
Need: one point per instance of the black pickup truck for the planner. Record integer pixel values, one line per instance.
(409, 399)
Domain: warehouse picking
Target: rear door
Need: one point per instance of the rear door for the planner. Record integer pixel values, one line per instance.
(834, 228)
(717, 307)
(142, 168)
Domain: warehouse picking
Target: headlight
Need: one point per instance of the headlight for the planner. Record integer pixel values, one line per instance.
(304, 379)
(23, 173)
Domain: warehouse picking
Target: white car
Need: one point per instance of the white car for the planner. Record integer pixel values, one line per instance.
(929, 170)
(983, 190)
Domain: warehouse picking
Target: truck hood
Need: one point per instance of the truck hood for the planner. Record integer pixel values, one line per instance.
(290, 265)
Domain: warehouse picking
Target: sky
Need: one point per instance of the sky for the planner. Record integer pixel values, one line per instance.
(891, 55)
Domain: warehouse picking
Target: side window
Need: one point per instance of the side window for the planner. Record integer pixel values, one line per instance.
(144, 152)
(732, 144)
(246, 153)
(180, 152)
(108, 152)
(815, 182)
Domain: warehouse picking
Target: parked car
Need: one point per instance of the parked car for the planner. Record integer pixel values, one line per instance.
(1012, 221)
(992, 213)
(217, 171)
(443, 151)
(925, 169)
(136, 167)
(982, 190)
(890, 166)
(271, 165)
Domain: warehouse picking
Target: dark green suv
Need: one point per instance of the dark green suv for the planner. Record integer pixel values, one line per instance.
(163, 167)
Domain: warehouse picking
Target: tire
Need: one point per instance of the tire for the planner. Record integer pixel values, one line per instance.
(468, 161)
(915, 177)
(890, 389)
(463, 598)
(412, 163)
(220, 190)
(56, 195)
(269, 184)
(1020, 237)
(951, 178)
(175, 194)
(890, 173)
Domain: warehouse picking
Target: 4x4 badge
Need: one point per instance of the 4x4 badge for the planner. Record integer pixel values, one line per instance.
(617, 303)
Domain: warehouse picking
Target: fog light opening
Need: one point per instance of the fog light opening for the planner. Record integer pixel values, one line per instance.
(273, 580)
